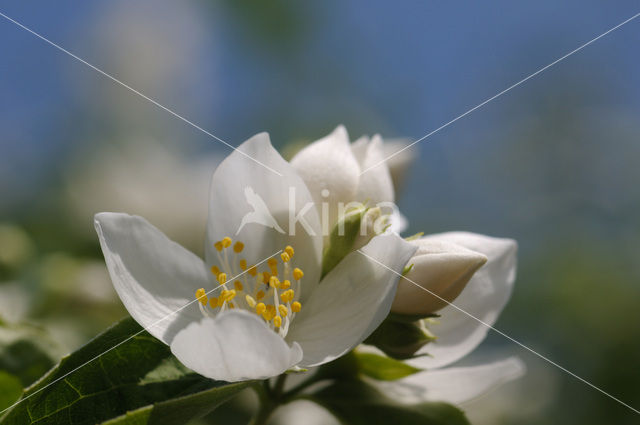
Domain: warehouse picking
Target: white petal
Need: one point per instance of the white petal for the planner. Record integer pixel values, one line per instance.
(399, 158)
(235, 346)
(375, 184)
(454, 384)
(153, 275)
(440, 272)
(303, 412)
(484, 297)
(351, 301)
(329, 164)
(251, 203)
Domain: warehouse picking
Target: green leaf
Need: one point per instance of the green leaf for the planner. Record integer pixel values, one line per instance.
(121, 370)
(383, 368)
(399, 339)
(10, 389)
(181, 409)
(357, 403)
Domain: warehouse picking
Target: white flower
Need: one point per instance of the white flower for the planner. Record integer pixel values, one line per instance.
(458, 334)
(331, 168)
(301, 321)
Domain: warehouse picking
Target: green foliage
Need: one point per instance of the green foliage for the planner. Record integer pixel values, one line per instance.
(122, 370)
(357, 403)
(26, 352)
(383, 368)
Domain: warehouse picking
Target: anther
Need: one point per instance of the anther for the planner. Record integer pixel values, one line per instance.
(215, 270)
(296, 307)
(260, 295)
(285, 257)
(260, 308)
(282, 309)
(250, 301)
(289, 251)
(213, 302)
(286, 284)
(238, 247)
(277, 321)
(243, 264)
(274, 282)
(297, 274)
(201, 296)
(238, 285)
(222, 278)
(218, 245)
(226, 242)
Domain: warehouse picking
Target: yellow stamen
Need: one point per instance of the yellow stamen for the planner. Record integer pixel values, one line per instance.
(213, 302)
(265, 277)
(201, 296)
(250, 301)
(218, 245)
(231, 305)
(260, 308)
(260, 295)
(238, 285)
(253, 271)
(289, 250)
(283, 310)
(227, 295)
(286, 284)
(243, 264)
(272, 262)
(296, 306)
(222, 278)
(226, 242)
(274, 282)
(277, 321)
(287, 296)
(215, 270)
(297, 274)
(238, 247)
(285, 257)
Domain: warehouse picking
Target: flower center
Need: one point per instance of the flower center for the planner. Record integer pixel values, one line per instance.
(270, 294)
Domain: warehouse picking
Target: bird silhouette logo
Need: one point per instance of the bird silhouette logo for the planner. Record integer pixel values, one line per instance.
(260, 213)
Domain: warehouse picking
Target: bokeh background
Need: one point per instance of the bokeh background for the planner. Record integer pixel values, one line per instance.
(552, 163)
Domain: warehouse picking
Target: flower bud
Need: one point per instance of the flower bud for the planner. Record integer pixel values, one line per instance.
(439, 272)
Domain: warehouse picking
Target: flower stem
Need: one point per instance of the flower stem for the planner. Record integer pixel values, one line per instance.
(269, 399)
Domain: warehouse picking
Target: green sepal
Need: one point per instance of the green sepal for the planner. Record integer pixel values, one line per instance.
(383, 368)
(341, 239)
(414, 237)
(400, 339)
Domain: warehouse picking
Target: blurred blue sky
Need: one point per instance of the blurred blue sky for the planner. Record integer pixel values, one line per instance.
(552, 163)
(401, 70)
